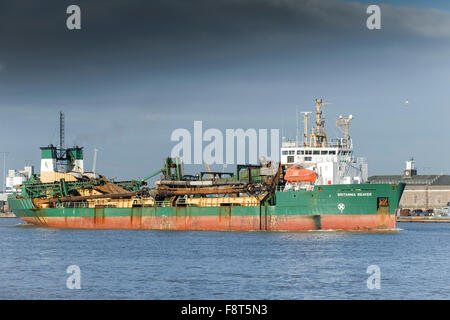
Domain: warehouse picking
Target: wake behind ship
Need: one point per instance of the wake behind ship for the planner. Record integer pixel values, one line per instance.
(317, 186)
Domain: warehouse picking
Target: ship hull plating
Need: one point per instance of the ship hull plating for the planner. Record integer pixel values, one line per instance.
(335, 207)
(275, 223)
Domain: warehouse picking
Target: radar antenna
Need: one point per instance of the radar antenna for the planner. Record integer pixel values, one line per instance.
(345, 122)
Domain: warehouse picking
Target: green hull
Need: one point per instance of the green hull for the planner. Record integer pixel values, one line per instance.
(344, 207)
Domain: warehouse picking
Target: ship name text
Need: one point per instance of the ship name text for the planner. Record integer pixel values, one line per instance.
(354, 194)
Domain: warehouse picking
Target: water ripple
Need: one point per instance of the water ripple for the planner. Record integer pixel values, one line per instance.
(125, 264)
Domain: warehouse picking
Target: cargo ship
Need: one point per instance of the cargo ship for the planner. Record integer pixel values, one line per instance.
(318, 185)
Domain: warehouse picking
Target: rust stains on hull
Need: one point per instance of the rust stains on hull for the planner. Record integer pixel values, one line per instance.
(223, 222)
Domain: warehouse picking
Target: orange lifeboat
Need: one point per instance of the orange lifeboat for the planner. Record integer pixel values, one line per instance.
(294, 174)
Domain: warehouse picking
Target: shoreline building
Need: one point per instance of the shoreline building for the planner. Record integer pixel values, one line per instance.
(422, 191)
(14, 179)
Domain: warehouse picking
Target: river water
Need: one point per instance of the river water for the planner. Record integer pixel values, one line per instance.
(413, 262)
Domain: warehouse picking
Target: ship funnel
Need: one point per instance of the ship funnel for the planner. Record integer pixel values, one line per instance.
(75, 159)
(48, 158)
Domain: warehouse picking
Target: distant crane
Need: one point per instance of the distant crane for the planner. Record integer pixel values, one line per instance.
(94, 164)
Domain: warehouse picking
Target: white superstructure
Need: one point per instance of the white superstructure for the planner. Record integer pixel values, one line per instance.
(334, 161)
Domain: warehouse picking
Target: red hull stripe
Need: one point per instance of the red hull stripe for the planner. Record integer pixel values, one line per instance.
(224, 223)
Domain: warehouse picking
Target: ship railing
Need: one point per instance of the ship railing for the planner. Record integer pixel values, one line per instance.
(162, 204)
(180, 202)
(72, 205)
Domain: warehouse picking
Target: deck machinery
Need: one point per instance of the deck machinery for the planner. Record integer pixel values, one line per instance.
(257, 182)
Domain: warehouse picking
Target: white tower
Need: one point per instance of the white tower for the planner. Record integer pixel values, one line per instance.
(410, 168)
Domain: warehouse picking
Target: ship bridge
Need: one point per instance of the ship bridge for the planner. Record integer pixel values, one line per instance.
(333, 161)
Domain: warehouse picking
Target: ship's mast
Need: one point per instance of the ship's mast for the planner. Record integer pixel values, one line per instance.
(305, 125)
(318, 136)
(61, 134)
(61, 158)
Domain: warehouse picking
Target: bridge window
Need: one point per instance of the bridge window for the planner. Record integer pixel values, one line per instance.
(332, 152)
(308, 158)
(284, 153)
(324, 152)
(316, 152)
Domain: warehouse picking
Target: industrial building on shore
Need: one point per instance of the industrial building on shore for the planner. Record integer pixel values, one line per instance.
(13, 179)
(422, 191)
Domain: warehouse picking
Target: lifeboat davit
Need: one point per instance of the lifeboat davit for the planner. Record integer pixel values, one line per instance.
(294, 174)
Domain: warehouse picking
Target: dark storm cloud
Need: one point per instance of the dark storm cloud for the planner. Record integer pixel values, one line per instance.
(137, 43)
(139, 69)
(35, 34)
(148, 42)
